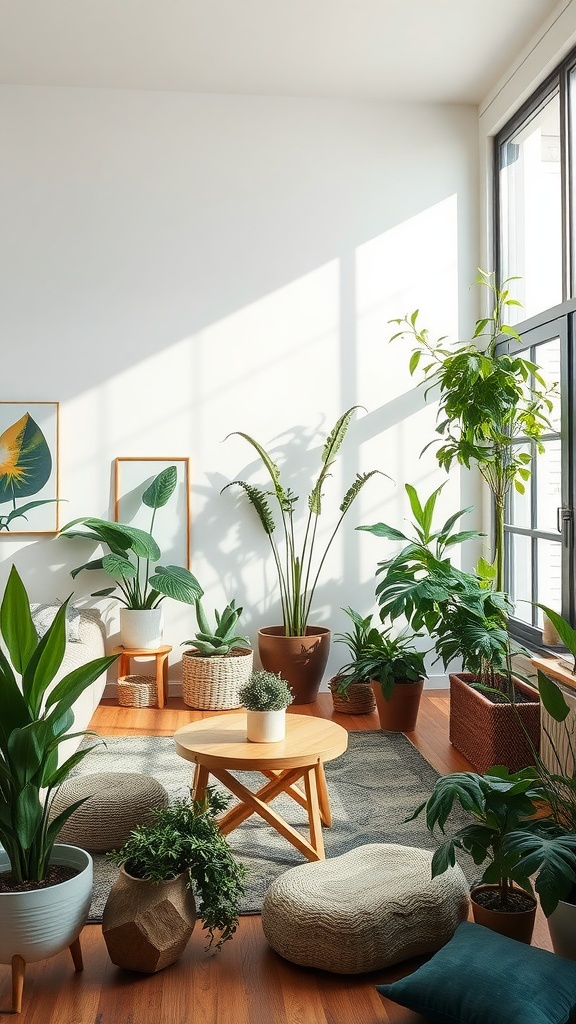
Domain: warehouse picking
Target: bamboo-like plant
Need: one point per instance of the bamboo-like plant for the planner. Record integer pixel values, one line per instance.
(34, 720)
(133, 552)
(297, 567)
(487, 401)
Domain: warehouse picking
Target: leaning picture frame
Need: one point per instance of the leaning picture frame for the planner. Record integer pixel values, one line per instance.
(29, 474)
(132, 475)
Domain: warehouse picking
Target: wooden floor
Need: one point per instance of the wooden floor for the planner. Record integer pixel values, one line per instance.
(247, 983)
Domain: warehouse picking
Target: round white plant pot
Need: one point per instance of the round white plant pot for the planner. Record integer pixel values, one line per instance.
(42, 922)
(266, 726)
(141, 629)
(562, 925)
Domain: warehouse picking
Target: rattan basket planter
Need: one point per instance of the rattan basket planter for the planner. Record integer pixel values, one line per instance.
(357, 700)
(489, 734)
(136, 691)
(214, 683)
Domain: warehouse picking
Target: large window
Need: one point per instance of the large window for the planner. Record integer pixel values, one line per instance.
(535, 242)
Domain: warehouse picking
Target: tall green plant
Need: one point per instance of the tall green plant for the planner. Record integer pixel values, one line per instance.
(487, 402)
(298, 568)
(132, 553)
(35, 719)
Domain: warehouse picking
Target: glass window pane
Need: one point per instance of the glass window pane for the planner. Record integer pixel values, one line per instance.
(547, 358)
(548, 489)
(549, 583)
(519, 505)
(520, 549)
(531, 212)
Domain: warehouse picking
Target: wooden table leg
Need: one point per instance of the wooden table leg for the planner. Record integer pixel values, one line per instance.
(323, 800)
(159, 680)
(200, 781)
(316, 837)
(165, 677)
(280, 782)
(76, 952)
(18, 970)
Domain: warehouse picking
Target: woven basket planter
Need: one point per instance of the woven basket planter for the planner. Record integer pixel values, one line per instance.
(357, 700)
(137, 691)
(214, 683)
(489, 734)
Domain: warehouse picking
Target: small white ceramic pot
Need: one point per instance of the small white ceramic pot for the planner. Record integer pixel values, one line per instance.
(141, 629)
(562, 925)
(266, 726)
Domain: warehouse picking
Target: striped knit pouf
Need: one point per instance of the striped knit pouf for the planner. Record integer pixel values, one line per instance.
(365, 910)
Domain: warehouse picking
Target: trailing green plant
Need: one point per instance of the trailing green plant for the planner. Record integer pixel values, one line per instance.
(488, 400)
(184, 836)
(221, 639)
(298, 568)
(36, 717)
(265, 691)
(504, 833)
(130, 561)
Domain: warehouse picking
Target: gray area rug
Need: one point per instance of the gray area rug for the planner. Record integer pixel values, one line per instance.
(377, 783)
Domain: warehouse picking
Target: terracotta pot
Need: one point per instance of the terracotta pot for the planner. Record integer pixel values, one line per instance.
(301, 660)
(146, 926)
(399, 714)
(488, 733)
(516, 925)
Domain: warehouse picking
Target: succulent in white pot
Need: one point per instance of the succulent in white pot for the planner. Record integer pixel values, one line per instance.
(266, 696)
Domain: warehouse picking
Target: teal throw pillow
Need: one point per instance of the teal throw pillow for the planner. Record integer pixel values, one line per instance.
(481, 977)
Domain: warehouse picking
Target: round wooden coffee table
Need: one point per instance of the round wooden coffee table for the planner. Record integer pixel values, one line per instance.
(218, 746)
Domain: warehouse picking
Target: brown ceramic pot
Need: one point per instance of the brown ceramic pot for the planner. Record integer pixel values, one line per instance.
(399, 714)
(301, 660)
(515, 924)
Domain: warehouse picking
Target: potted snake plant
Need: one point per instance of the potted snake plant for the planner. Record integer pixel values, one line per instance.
(297, 649)
(218, 662)
(45, 887)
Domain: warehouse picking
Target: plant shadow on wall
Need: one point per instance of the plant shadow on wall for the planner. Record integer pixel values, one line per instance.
(300, 550)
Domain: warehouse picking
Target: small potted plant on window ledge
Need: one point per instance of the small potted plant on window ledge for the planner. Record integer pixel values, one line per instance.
(351, 693)
(266, 696)
(219, 662)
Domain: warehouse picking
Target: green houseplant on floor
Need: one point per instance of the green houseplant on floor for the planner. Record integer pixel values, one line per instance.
(219, 661)
(165, 865)
(36, 718)
(351, 692)
(297, 649)
(140, 584)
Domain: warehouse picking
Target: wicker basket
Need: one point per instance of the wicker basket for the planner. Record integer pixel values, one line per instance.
(214, 683)
(489, 734)
(358, 699)
(137, 692)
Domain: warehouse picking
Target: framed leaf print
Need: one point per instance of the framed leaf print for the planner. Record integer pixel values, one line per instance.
(28, 467)
(171, 526)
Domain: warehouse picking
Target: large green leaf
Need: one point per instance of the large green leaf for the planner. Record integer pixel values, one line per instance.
(161, 489)
(16, 623)
(62, 697)
(552, 698)
(46, 660)
(563, 628)
(119, 567)
(25, 460)
(176, 582)
(548, 855)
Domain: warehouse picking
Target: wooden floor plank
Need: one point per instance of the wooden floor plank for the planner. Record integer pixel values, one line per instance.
(247, 983)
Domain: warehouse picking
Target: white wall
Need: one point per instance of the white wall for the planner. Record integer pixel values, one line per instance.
(176, 267)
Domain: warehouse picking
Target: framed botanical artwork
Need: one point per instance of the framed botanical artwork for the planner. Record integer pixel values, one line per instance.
(171, 526)
(28, 467)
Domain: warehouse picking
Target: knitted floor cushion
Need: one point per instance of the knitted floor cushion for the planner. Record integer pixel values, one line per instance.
(371, 907)
(117, 801)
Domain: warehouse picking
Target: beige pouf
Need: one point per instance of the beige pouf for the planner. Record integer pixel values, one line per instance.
(117, 801)
(365, 910)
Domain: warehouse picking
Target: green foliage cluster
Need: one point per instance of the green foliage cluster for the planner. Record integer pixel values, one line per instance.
(35, 718)
(185, 837)
(265, 691)
(218, 640)
(379, 655)
(133, 552)
(298, 568)
(487, 401)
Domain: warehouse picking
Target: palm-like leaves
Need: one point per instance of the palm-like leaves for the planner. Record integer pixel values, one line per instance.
(298, 567)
